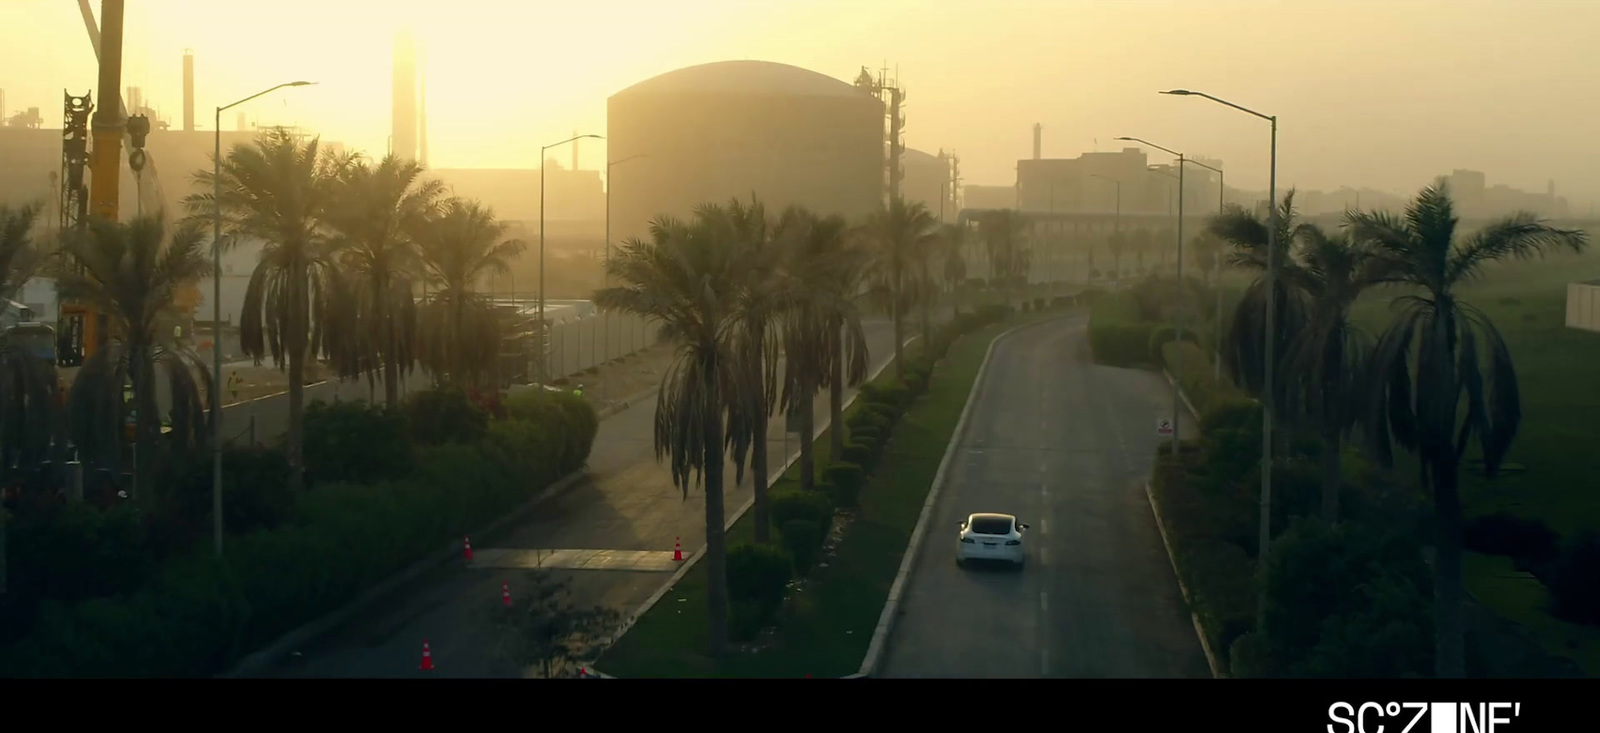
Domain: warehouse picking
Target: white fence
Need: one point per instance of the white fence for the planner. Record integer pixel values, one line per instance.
(593, 340)
(1583, 306)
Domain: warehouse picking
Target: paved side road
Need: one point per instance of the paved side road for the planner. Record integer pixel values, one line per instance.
(627, 502)
(1065, 445)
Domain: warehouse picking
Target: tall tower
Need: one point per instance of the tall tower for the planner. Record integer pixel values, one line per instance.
(422, 106)
(188, 90)
(405, 97)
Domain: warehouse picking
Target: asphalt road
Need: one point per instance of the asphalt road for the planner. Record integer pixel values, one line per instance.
(1065, 445)
(627, 502)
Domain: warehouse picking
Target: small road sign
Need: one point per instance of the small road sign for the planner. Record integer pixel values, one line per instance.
(1164, 427)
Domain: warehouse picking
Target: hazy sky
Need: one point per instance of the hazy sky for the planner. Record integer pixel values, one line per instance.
(1382, 93)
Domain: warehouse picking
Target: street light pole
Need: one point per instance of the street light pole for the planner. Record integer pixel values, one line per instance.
(1177, 363)
(1216, 331)
(544, 328)
(605, 269)
(1264, 540)
(216, 311)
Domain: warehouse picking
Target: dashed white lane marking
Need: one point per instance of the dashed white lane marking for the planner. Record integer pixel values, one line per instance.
(1044, 601)
(1044, 490)
(1044, 526)
(1044, 556)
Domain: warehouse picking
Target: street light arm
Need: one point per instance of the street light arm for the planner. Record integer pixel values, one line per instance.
(1187, 93)
(1202, 165)
(624, 160)
(1151, 144)
(568, 140)
(266, 92)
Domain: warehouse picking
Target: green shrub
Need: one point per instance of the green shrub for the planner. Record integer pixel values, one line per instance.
(1117, 335)
(1164, 338)
(1347, 601)
(759, 574)
(843, 495)
(197, 617)
(1530, 543)
(893, 396)
(354, 441)
(847, 479)
(255, 493)
(809, 506)
(857, 453)
(577, 418)
(69, 552)
(445, 415)
(803, 540)
(1573, 584)
(869, 434)
(745, 620)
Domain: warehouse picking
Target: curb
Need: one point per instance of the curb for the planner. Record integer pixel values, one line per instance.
(278, 649)
(1161, 526)
(734, 518)
(312, 629)
(891, 605)
(627, 402)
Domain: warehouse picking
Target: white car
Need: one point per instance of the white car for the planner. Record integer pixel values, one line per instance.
(991, 537)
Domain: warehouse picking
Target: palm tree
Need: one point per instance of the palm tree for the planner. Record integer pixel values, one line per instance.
(1460, 359)
(953, 236)
(132, 272)
(27, 384)
(1005, 233)
(1243, 342)
(277, 189)
(370, 214)
(899, 231)
(761, 300)
(1328, 355)
(822, 334)
(460, 244)
(687, 278)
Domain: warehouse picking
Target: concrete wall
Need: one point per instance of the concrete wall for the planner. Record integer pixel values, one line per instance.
(1583, 306)
(575, 346)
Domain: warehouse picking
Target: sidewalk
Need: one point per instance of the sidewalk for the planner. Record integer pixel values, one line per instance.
(626, 503)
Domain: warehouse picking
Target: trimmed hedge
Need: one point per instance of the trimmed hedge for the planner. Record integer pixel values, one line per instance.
(199, 615)
(1117, 334)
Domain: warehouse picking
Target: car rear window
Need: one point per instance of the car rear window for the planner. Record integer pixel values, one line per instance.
(991, 525)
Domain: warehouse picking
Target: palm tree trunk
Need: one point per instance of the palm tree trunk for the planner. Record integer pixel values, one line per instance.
(145, 421)
(927, 296)
(808, 452)
(299, 351)
(836, 392)
(1448, 593)
(391, 367)
(716, 540)
(758, 459)
(1331, 445)
(894, 311)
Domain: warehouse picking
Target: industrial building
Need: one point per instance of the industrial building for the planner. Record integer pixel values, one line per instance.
(729, 129)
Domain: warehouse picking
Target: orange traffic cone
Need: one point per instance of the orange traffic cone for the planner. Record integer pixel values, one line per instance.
(468, 551)
(505, 594)
(427, 657)
(677, 550)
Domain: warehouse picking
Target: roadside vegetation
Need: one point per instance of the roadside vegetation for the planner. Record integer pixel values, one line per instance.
(1383, 474)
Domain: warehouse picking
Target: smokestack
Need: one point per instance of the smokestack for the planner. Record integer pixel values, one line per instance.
(422, 106)
(405, 97)
(1038, 140)
(188, 90)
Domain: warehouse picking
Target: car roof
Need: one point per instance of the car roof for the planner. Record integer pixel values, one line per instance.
(1008, 517)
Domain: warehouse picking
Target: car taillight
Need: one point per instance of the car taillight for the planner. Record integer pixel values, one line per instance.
(969, 540)
(1011, 543)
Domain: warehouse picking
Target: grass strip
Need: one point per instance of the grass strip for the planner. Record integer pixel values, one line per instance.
(823, 631)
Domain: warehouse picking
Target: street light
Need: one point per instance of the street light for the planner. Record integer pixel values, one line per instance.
(606, 268)
(216, 310)
(1272, 307)
(1216, 332)
(544, 328)
(1177, 364)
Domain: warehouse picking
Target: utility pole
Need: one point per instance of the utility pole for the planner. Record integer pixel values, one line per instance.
(896, 125)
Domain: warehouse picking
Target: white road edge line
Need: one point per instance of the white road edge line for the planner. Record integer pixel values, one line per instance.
(891, 606)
